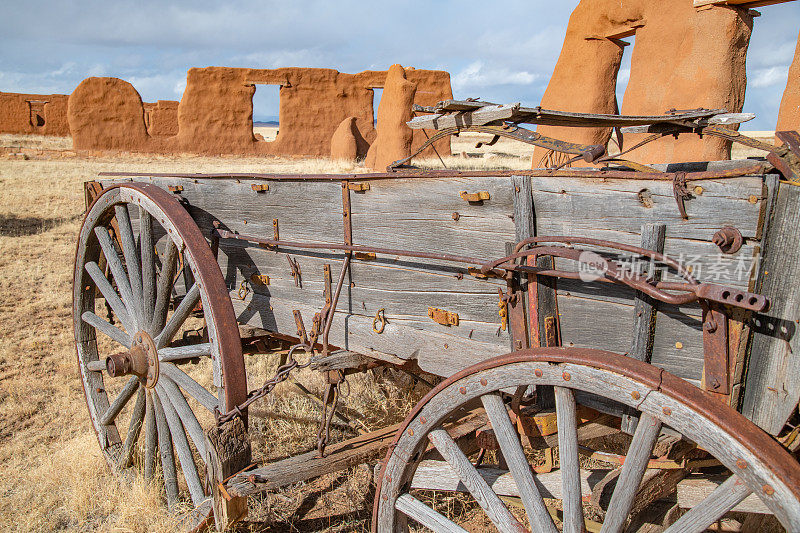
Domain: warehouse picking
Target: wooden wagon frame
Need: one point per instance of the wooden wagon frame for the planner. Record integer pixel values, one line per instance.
(550, 301)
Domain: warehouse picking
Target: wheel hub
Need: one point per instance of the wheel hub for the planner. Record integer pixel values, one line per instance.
(141, 360)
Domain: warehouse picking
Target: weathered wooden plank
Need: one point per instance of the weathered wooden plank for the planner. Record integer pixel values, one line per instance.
(644, 313)
(576, 206)
(726, 496)
(436, 351)
(429, 215)
(693, 490)
(772, 386)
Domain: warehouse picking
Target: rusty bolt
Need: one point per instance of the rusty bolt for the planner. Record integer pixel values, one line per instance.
(462, 390)
(635, 395)
(566, 376)
(768, 490)
(698, 190)
(666, 410)
(710, 326)
(388, 477)
(410, 432)
(741, 463)
(423, 420)
(483, 381)
(729, 240)
(538, 373)
(455, 215)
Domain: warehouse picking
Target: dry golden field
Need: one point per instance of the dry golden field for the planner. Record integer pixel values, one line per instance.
(53, 473)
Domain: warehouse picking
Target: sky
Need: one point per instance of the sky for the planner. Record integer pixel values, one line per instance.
(501, 51)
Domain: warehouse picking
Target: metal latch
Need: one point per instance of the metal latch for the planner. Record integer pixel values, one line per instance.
(358, 186)
(259, 279)
(440, 316)
(475, 196)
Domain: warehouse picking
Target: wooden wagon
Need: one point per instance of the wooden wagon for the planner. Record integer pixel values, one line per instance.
(658, 306)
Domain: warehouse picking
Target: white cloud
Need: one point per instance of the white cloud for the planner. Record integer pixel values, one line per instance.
(767, 77)
(475, 76)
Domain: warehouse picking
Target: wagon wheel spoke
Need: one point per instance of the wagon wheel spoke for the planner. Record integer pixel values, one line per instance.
(568, 457)
(110, 295)
(412, 507)
(169, 264)
(107, 328)
(184, 452)
(724, 498)
(150, 436)
(167, 453)
(185, 413)
(131, 256)
(180, 315)
(644, 439)
(117, 271)
(474, 482)
(134, 429)
(116, 406)
(148, 260)
(518, 465)
(195, 390)
(180, 353)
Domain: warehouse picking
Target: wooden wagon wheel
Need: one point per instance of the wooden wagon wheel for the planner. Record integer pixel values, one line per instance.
(755, 462)
(141, 231)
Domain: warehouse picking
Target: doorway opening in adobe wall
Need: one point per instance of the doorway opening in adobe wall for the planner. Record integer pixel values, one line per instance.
(266, 106)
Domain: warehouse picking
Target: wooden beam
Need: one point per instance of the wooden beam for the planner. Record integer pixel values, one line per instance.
(741, 3)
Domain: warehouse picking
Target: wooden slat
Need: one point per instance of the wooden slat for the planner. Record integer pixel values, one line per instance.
(724, 498)
(693, 490)
(514, 456)
(772, 387)
(425, 515)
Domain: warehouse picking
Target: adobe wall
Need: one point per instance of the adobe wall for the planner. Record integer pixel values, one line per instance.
(683, 58)
(789, 114)
(215, 114)
(41, 114)
(161, 118)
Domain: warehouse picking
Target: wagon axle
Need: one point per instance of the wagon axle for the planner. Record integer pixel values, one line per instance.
(141, 360)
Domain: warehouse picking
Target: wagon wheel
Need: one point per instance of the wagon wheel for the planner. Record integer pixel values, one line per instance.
(143, 233)
(755, 462)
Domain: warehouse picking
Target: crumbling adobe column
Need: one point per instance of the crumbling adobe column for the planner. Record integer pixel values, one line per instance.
(394, 137)
(789, 114)
(686, 58)
(107, 114)
(585, 77)
(347, 143)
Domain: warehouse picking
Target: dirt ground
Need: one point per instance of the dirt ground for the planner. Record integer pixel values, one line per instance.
(54, 476)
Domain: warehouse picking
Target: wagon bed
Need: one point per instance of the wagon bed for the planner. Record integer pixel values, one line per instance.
(445, 272)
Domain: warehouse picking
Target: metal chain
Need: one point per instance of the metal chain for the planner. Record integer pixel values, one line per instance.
(281, 375)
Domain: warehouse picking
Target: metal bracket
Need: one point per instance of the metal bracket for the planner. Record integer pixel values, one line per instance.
(301, 328)
(716, 367)
(365, 256)
(358, 186)
(296, 274)
(275, 233)
(263, 187)
(175, 189)
(327, 279)
(479, 196)
(440, 316)
(259, 279)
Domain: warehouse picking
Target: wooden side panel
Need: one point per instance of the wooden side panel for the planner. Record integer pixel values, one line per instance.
(772, 383)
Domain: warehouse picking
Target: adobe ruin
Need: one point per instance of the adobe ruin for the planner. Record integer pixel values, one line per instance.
(789, 114)
(215, 114)
(40, 114)
(687, 54)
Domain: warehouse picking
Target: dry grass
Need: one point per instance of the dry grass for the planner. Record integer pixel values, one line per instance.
(54, 476)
